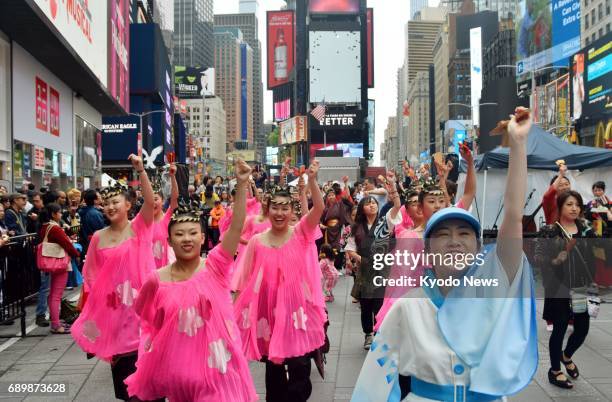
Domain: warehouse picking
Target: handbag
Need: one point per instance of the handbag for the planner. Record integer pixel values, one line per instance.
(51, 257)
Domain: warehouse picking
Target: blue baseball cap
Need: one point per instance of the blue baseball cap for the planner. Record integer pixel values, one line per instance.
(451, 213)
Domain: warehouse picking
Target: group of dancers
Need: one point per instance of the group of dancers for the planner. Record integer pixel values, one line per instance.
(175, 325)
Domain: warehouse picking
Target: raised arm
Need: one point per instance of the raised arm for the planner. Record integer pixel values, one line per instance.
(302, 194)
(469, 190)
(510, 237)
(393, 195)
(174, 193)
(314, 215)
(145, 185)
(231, 238)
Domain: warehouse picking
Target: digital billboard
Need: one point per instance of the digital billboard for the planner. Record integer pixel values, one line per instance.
(118, 33)
(281, 45)
(547, 32)
(334, 6)
(194, 82)
(591, 80)
(371, 125)
(293, 130)
(348, 150)
(338, 120)
(335, 67)
(370, 43)
(282, 110)
(551, 104)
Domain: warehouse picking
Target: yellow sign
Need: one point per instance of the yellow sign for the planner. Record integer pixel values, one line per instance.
(247, 155)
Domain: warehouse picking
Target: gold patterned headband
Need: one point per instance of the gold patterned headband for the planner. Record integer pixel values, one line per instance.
(186, 212)
(112, 191)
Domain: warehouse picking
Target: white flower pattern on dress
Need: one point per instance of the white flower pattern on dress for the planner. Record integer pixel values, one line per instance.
(258, 280)
(219, 355)
(91, 331)
(126, 293)
(299, 319)
(263, 329)
(189, 321)
(158, 250)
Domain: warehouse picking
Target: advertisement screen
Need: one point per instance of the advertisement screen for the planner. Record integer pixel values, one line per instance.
(281, 45)
(334, 6)
(591, 80)
(551, 105)
(282, 110)
(370, 49)
(293, 130)
(562, 106)
(194, 82)
(547, 32)
(371, 122)
(83, 24)
(119, 52)
(335, 67)
(354, 150)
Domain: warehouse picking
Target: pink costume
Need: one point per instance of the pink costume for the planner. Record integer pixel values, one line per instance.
(411, 241)
(330, 274)
(162, 253)
(406, 224)
(108, 324)
(224, 222)
(253, 206)
(190, 347)
(281, 310)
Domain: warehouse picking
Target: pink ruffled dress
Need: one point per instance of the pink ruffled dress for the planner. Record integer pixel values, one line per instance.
(108, 324)
(412, 241)
(190, 349)
(281, 309)
(406, 224)
(251, 228)
(162, 253)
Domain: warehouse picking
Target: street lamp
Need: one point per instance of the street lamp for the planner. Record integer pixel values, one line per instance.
(141, 115)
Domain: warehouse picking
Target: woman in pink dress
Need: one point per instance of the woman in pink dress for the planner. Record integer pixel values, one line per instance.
(280, 309)
(190, 347)
(161, 251)
(118, 260)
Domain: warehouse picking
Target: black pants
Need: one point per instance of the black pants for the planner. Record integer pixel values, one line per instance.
(296, 388)
(215, 234)
(122, 367)
(575, 340)
(369, 309)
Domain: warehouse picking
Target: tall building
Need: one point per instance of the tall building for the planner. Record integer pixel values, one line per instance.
(248, 25)
(205, 122)
(418, 123)
(441, 57)
(416, 6)
(193, 33)
(228, 80)
(246, 96)
(505, 9)
(595, 20)
(249, 7)
(390, 147)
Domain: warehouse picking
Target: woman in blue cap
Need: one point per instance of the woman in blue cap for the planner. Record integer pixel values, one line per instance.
(468, 333)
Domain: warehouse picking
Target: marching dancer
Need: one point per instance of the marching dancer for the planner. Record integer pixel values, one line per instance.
(118, 260)
(280, 309)
(190, 348)
(459, 342)
(161, 220)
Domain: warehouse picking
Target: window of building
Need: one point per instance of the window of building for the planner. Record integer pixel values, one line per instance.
(586, 23)
(600, 11)
(600, 32)
(593, 38)
(607, 27)
(593, 18)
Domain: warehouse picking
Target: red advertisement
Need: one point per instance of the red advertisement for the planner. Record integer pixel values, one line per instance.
(39, 158)
(54, 112)
(334, 6)
(281, 45)
(370, 43)
(42, 110)
(119, 52)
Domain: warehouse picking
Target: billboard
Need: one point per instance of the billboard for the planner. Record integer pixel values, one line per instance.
(119, 137)
(293, 130)
(562, 119)
(591, 80)
(118, 45)
(370, 43)
(338, 120)
(42, 102)
(547, 32)
(281, 45)
(333, 6)
(371, 125)
(282, 110)
(551, 105)
(194, 82)
(335, 66)
(83, 24)
(475, 72)
(348, 150)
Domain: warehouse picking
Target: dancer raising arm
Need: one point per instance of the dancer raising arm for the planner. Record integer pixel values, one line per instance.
(191, 349)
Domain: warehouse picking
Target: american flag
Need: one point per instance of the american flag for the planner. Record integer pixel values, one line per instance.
(318, 112)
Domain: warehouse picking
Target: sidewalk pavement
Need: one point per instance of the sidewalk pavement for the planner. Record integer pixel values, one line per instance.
(55, 358)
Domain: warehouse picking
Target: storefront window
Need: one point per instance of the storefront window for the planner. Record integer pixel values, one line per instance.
(88, 159)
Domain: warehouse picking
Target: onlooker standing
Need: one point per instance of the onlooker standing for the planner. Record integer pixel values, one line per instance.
(33, 222)
(216, 214)
(53, 232)
(91, 218)
(15, 221)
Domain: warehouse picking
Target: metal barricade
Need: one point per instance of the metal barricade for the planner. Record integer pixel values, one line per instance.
(19, 278)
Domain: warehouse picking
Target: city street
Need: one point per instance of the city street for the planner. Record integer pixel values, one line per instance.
(57, 358)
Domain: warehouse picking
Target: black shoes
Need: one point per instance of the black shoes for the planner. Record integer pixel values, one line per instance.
(41, 321)
(555, 380)
(572, 372)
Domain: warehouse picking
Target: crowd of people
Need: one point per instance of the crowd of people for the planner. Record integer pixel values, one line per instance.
(178, 295)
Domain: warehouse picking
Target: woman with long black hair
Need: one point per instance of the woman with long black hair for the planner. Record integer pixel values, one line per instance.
(372, 233)
(564, 251)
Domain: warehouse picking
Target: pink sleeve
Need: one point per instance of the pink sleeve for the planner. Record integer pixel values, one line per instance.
(306, 232)
(167, 217)
(460, 204)
(90, 268)
(144, 305)
(244, 266)
(225, 221)
(219, 262)
(142, 230)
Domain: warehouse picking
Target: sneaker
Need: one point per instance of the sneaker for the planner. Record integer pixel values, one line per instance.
(368, 341)
(549, 327)
(570, 328)
(41, 321)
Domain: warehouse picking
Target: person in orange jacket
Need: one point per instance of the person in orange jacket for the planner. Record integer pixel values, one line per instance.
(216, 214)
